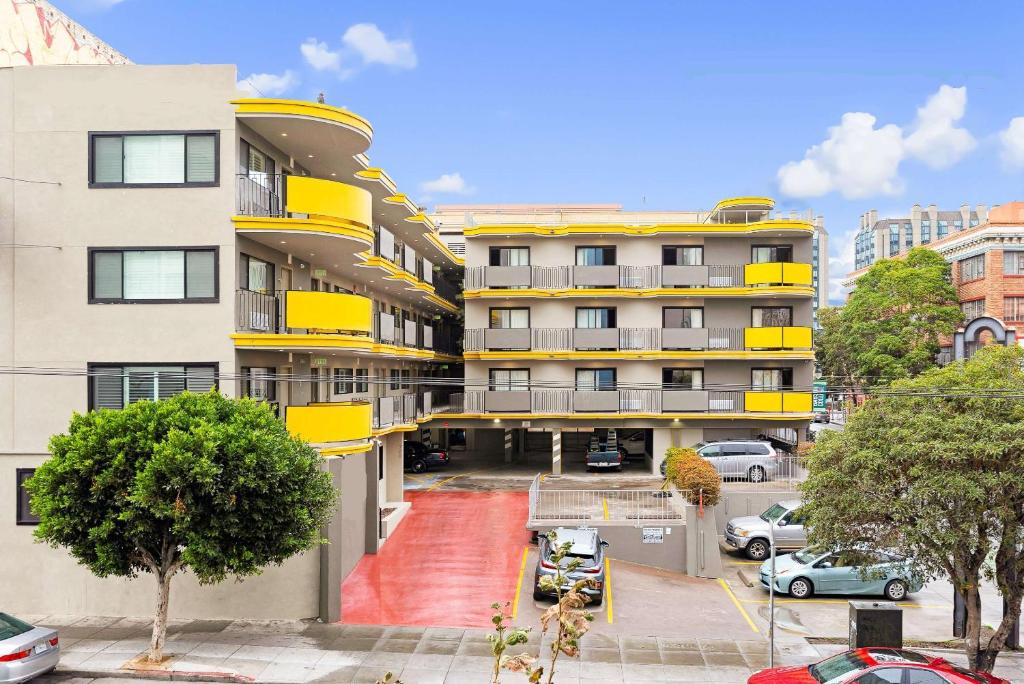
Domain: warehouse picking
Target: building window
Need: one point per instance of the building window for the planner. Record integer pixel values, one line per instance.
(682, 317)
(771, 254)
(116, 386)
(682, 378)
(973, 309)
(972, 268)
(894, 239)
(255, 274)
(682, 256)
(258, 383)
(1013, 263)
(771, 316)
(343, 380)
(908, 235)
(943, 229)
(926, 231)
(974, 221)
(509, 256)
(396, 379)
(510, 318)
(407, 379)
(362, 381)
(771, 378)
(595, 317)
(595, 378)
(1013, 308)
(153, 159)
(152, 276)
(509, 379)
(958, 225)
(595, 256)
(24, 515)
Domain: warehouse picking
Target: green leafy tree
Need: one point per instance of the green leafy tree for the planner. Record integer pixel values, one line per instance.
(934, 468)
(197, 482)
(892, 322)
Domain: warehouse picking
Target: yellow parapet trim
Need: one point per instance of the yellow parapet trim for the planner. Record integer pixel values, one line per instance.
(346, 450)
(309, 110)
(778, 225)
(757, 402)
(328, 423)
(320, 225)
(622, 416)
(352, 343)
(378, 174)
(730, 202)
(796, 338)
(323, 198)
(796, 274)
(328, 311)
(780, 291)
(455, 258)
(443, 303)
(796, 402)
(711, 354)
(402, 200)
(762, 338)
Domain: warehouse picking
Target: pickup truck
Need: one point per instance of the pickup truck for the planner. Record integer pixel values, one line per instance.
(603, 460)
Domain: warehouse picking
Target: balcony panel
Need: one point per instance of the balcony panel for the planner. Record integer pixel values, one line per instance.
(410, 333)
(796, 402)
(796, 338)
(385, 327)
(763, 402)
(595, 338)
(428, 337)
(584, 401)
(328, 311)
(500, 401)
(684, 276)
(517, 339)
(507, 276)
(318, 197)
(329, 423)
(684, 338)
(595, 276)
(685, 400)
(762, 338)
(796, 274)
(762, 274)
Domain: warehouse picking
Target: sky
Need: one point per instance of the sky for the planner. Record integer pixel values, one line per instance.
(836, 107)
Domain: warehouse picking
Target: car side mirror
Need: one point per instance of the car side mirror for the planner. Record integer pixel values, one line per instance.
(604, 543)
(781, 523)
(824, 565)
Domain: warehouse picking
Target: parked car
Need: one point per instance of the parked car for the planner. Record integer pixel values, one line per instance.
(875, 666)
(604, 460)
(26, 651)
(751, 533)
(810, 571)
(420, 457)
(588, 546)
(633, 445)
(749, 459)
(821, 417)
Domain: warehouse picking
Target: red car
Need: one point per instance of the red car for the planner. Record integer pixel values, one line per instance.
(875, 666)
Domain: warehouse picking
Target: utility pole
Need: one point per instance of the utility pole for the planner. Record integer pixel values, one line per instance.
(771, 595)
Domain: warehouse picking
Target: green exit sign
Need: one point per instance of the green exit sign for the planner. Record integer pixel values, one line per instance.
(319, 272)
(319, 361)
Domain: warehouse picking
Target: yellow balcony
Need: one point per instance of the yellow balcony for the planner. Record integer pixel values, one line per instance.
(777, 402)
(777, 338)
(777, 274)
(321, 198)
(330, 423)
(331, 311)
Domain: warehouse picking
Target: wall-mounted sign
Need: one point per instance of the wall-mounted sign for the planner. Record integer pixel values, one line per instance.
(654, 535)
(319, 361)
(319, 272)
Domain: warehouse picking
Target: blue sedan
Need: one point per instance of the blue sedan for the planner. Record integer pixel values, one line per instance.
(812, 571)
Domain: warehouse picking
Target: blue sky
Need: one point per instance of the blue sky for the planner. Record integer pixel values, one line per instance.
(657, 105)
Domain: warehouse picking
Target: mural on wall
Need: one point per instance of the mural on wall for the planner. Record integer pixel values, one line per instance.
(34, 32)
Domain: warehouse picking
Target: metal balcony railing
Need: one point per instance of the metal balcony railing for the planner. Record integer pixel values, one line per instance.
(260, 194)
(620, 277)
(621, 339)
(632, 401)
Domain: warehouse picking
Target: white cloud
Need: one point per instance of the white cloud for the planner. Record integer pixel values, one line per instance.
(840, 263)
(374, 47)
(859, 160)
(268, 85)
(448, 184)
(1012, 142)
(319, 56)
(934, 137)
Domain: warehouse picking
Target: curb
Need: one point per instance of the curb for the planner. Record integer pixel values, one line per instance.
(169, 675)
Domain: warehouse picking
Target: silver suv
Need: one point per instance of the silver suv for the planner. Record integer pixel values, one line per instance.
(751, 460)
(751, 533)
(587, 546)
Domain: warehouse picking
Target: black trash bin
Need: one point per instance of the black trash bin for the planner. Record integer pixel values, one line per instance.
(875, 623)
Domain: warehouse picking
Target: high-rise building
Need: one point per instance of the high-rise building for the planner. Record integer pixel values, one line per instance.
(882, 238)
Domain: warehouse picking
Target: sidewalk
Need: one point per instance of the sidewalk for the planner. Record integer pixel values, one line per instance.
(299, 651)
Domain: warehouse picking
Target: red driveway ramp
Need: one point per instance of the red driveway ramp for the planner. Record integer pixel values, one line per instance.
(453, 555)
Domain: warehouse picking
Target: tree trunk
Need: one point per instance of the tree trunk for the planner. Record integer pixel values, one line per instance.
(156, 643)
(972, 605)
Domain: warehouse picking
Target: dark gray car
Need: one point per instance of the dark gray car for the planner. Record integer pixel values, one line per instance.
(586, 546)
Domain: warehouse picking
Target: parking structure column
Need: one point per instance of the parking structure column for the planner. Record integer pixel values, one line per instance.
(508, 445)
(556, 451)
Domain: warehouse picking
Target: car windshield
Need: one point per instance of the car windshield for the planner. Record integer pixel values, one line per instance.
(807, 555)
(12, 627)
(837, 666)
(774, 513)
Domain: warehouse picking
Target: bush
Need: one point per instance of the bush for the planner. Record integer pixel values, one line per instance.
(673, 457)
(693, 474)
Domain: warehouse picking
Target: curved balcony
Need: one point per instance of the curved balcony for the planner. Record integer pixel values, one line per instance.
(334, 428)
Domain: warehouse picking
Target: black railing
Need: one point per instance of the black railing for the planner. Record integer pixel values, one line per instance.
(260, 194)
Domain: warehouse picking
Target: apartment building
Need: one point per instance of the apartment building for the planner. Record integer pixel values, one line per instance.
(674, 326)
(161, 232)
(882, 238)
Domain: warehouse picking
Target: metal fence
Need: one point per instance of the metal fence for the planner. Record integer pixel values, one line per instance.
(606, 506)
(760, 473)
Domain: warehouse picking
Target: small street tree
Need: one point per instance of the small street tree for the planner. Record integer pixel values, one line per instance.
(196, 482)
(891, 325)
(933, 467)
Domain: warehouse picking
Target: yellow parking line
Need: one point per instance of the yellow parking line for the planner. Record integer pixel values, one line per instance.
(748, 562)
(519, 583)
(421, 478)
(604, 502)
(608, 588)
(738, 605)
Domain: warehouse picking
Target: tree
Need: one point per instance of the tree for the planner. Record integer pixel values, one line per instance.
(196, 482)
(891, 325)
(934, 467)
(696, 477)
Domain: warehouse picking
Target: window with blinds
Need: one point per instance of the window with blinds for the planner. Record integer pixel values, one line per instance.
(509, 379)
(154, 159)
(153, 275)
(114, 387)
(1013, 262)
(510, 318)
(682, 317)
(595, 317)
(771, 316)
(343, 381)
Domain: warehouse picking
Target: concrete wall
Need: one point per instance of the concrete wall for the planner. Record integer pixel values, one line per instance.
(735, 504)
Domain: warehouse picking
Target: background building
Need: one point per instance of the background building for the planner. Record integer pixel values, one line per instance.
(888, 237)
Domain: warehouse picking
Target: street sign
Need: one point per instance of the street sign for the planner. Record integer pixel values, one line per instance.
(819, 394)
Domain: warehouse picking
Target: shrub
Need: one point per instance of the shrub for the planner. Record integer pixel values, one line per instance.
(673, 457)
(694, 474)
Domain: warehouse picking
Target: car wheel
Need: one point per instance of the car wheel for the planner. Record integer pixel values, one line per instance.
(756, 474)
(596, 600)
(801, 588)
(419, 466)
(758, 549)
(896, 590)
(538, 595)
